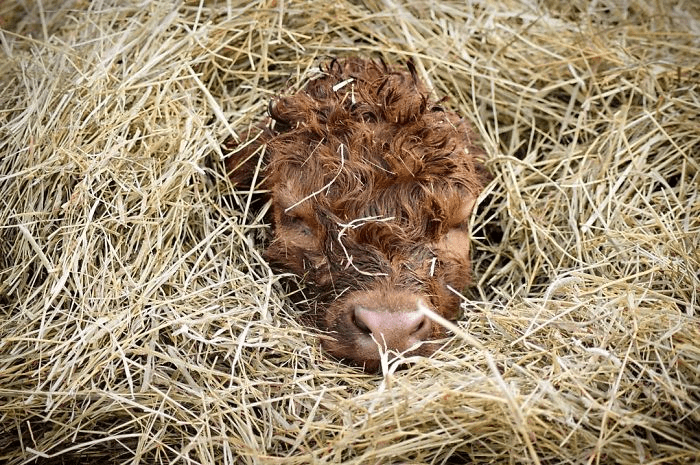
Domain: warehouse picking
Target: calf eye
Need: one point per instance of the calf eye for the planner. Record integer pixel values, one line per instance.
(302, 227)
(456, 240)
(296, 222)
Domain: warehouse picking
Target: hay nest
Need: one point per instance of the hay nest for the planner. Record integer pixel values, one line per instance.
(139, 323)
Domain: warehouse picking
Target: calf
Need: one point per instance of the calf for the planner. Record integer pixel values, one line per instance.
(372, 187)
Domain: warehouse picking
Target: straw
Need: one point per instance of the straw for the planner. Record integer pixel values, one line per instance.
(139, 323)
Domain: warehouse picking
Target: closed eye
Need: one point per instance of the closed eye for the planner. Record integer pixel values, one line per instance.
(456, 240)
(295, 222)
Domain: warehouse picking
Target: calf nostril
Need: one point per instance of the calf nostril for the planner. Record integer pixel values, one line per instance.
(421, 330)
(369, 321)
(359, 321)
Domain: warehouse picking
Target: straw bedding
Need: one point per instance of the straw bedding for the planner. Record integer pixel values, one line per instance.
(140, 324)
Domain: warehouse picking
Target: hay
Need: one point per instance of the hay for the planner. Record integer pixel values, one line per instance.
(139, 323)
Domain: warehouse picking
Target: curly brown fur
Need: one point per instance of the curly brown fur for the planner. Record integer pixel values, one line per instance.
(372, 187)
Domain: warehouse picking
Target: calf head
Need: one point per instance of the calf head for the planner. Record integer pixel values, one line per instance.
(372, 188)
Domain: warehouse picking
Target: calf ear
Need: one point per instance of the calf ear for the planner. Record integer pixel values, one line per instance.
(245, 160)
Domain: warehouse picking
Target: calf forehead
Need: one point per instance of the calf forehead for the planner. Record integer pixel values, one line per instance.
(381, 170)
(367, 198)
(433, 150)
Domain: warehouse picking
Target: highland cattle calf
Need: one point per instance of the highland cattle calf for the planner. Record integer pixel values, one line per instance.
(372, 187)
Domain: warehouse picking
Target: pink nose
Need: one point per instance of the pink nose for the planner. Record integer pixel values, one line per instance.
(397, 331)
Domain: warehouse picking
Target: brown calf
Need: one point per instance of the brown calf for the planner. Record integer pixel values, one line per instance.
(372, 187)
